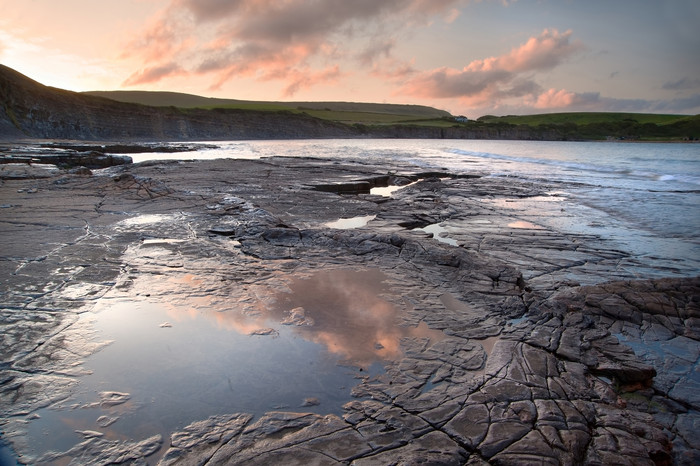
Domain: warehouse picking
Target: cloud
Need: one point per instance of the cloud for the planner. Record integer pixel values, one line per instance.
(543, 52)
(393, 69)
(690, 104)
(300, 79)
(376, 51)
(682, 84)
(553, 98)
(153, 74)
(560, 99)
(496, 78)
(509, 83)
(270, 39)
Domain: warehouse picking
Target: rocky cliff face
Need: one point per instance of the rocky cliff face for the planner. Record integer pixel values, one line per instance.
(29, 109)
(32, 110)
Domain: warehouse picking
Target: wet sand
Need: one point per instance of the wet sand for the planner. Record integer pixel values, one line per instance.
(432, 324)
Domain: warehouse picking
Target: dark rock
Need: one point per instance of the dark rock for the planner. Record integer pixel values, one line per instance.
(282, 236)
(512, 366)
(351, 187)
(97, 450)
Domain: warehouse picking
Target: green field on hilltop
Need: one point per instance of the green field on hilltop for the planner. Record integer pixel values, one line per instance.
(346, 112)
(243, 105)
(375, 118)
(584, 118)
(577, 126)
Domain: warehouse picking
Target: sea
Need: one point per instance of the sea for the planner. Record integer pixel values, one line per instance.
(642, 198)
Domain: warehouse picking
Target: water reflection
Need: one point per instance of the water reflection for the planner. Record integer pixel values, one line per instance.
(439, 233)
(350, 223)
(344, 311)
(387, 191)
(522, 224)
(185, 348)
(146, 219)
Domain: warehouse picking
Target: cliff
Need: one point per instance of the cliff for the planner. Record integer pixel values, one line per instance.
(32, 110)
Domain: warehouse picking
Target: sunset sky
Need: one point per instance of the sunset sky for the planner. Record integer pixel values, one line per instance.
(465, 56)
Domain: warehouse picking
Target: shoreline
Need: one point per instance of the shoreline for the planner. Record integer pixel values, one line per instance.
(556, 383)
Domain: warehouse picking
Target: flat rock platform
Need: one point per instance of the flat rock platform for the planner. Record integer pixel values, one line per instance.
(537, 347)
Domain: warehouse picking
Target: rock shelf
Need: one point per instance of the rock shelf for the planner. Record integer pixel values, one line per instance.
(553, 351)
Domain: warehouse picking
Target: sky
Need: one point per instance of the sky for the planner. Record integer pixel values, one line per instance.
(469, 57)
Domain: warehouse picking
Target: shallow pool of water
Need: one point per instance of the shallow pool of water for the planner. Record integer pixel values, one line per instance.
(387, 191)
(350, 223)
(181, 360)
(523, 225)
(439, 233)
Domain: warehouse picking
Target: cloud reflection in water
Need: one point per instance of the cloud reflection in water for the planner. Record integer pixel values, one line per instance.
(341, 309)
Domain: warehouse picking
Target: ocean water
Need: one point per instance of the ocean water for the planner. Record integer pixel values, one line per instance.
(644, 198)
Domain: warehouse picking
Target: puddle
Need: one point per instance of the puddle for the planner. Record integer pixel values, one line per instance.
(7, 455)
(488, 344)
(182, 357)
(146, 219)
(349, 316)
(517, 321)
(522, 224)
(161, 241)
(439, 233)
(527, 202)
(350, 223)
(607, 380)
(429, 385)
(387, 191)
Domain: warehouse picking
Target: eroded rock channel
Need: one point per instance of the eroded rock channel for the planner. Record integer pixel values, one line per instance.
(212, 312)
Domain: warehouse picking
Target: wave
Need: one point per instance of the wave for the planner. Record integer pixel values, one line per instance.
(585, 167)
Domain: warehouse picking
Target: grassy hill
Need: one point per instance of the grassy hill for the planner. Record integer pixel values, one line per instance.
(346, 112)
(584, 118)
(605, 125)
(570, 125)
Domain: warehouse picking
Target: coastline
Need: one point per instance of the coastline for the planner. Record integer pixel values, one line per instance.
(531, 366)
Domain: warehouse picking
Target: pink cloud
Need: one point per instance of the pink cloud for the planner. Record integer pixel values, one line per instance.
(393, 69)
(553, 98)
(270, 39)
(543, 52)
(300, 79)
(495, 79)
(153, 74)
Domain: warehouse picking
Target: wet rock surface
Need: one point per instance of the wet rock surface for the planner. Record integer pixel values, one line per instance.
(551, 351)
